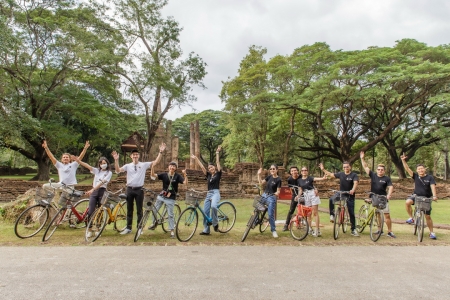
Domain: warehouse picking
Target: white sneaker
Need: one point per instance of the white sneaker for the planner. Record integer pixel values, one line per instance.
(274, 234)
(89, 234)
(311, 232)
(126, 231)
(319, 233)
(331, 218)
(97, 233)
(354, 232)
(316, 234)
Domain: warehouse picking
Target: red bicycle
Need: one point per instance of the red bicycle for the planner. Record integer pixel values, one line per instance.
(341, 215)
(299, 225)
(69, 215)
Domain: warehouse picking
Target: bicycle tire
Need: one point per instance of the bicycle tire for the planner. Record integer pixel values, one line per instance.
(165, 220)
(346, 220)
(264, 222)
(250, 225)
(141, 226)
(337, 222)
(120, 217)
(299, 228)
(96, 225)
(361, 221)
(416, 220)
(57, 220)
(376, 225)
(226, 216)
(81, 207)
(421, 226)
(31, 221)
(187, 224)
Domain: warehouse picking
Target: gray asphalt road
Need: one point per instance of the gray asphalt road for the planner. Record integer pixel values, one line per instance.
(225, 272)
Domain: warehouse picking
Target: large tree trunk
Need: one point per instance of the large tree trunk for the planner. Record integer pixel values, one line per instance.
(43, 170)
(399, 167)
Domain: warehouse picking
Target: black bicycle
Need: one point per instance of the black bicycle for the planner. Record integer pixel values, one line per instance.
(259, 215)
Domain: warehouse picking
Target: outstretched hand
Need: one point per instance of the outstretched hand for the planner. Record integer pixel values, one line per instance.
(86, 145)
(44, 144)
(115, 155)
(162, 147)
(259, 171)
(361, 154)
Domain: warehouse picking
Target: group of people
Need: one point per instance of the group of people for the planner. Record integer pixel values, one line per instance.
(301, 183)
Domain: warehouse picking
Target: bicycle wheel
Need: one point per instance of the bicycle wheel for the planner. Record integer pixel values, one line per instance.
(361, 221)
(31, 221)
(226, 216)
(346, 219)
(141, 226)
(187, 224)
(120, 217)
(376, 225)
(165, 221)
(81, 207)
(250, 225)
(57, 221)
(337, 222)
(264, 223)
(420, 226)
(96, 224)
(299, 228)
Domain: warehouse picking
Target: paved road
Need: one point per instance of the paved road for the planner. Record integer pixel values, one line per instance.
(225, 272)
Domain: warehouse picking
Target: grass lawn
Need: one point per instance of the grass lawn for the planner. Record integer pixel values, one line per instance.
(75, 237)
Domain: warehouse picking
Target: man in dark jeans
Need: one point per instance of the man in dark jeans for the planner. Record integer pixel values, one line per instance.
(348, 182)
(135, 181)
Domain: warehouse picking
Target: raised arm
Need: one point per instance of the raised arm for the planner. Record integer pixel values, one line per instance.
(218, 158)
(363, 162)
(86, 146)
(405, 165)
(152, 172)
(78, 160)
(259, 177)
(199, 163)
(49, 153)
(185, 177)
(162, 147)
(115, 155)
(325, 171)
(321, 178)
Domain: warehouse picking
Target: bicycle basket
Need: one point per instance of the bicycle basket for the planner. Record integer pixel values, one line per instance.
(110, 200)
(423, 203)
(149, 199)
(65, 196)
(42, 194)
(379, 201)
(192, 198)
(258, 204)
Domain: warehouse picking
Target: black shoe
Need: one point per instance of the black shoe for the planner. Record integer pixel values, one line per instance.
(153, 227)
(204, 233)
(286, 227)
(216, 228)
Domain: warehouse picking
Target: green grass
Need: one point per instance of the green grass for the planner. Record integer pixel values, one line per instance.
(74, 237)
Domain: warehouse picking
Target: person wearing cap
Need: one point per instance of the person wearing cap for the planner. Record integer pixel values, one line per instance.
(135, 181)
(168, 195)
(212, 199)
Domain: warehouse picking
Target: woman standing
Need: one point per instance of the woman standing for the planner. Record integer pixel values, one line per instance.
(271, 192)
(102, 175)
(213, 176)
(305, 182)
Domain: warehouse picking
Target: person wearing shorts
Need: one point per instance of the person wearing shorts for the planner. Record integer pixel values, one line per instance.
(310, 193)
(348, 181)
(271, 192)
(292, 181)
(379, 183)
(425, 186)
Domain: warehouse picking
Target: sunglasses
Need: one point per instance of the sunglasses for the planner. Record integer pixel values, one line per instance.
(380, 169)
(272, 169)
(346, 167)
(304, 170)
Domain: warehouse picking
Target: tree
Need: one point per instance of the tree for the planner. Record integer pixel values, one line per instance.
(156, 74)
(48, 83)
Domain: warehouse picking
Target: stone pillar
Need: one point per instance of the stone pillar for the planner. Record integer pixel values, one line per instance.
(175, 143)
(192, 147)
(197, 142)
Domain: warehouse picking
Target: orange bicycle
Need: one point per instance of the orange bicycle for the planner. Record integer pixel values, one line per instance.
(299, 225)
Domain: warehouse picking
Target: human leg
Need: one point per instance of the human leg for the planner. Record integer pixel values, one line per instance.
(408, 206)
(214, 203)
(207, 211)
(130, 207)
(159, 202)
(351, 211)
(139, 205)
(289, 215)
(272, 200)
(170, 203)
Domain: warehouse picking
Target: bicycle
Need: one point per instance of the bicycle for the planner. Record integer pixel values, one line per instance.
(341, 215)
(374, 217)
(188, 221)
(157, 217)
(31, 221)
(421, 205)
(75, 215)
(299, 225)
(258, 217)
(113, 208)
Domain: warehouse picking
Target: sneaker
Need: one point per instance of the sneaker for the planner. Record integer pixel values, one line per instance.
(172, 235)
(318, 233)
(204, 233)
(331, 218)
(97, 233)
(311, 232)
(274, 234)
(378, 232)
(432, 236)
(126, 231)
(354, 232)
(391, 234)
(89, 234)
(216, 228)
(410, 221)
(286, 227)
(152, 227)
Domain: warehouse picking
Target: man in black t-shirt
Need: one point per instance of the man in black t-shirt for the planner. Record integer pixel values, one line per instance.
(379, 183)
(424, 185)
(168, 195)
(348, 181)
(292, 180)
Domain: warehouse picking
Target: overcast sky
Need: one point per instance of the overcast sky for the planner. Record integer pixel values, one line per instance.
(221, 31)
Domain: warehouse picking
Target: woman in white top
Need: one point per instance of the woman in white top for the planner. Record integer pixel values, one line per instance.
(102, 175)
